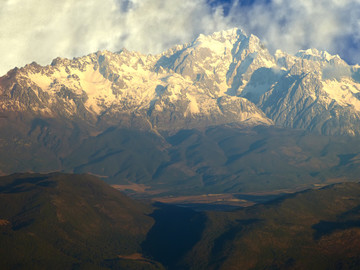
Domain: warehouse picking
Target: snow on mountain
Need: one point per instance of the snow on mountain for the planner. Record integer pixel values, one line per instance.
(226, 77)
(316, 55)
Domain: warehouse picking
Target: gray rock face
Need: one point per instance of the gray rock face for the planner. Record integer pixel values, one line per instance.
(227, 77)
(317, 92)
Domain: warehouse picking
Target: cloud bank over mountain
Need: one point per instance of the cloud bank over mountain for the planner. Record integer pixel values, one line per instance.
(332, 25)
(40, 30)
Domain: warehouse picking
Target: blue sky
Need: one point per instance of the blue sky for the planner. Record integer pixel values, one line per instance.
(40, 30)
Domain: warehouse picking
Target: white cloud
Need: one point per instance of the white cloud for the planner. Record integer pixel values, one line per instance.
(292, 25)
(40, 30)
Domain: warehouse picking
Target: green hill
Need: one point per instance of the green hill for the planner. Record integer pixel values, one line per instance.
(61, 221)
(315, 229)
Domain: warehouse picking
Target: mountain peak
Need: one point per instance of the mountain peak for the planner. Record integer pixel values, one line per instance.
(317, 55)
(230, 34)
(218, 41)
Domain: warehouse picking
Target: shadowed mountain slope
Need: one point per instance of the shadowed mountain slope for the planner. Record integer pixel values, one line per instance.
(219, 159)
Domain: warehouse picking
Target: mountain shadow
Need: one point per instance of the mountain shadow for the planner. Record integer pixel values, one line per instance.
(175, 232)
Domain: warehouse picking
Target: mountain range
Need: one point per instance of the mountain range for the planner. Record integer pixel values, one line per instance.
(219, 114)
(227, 77)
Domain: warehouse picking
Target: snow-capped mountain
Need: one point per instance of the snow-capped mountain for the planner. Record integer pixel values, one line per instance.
(227, 77)
(202, 117)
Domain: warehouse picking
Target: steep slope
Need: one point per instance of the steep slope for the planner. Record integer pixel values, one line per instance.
(62, 221)
(315, 229)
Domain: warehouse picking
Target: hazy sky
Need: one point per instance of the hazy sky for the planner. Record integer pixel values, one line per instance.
(40, 30)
